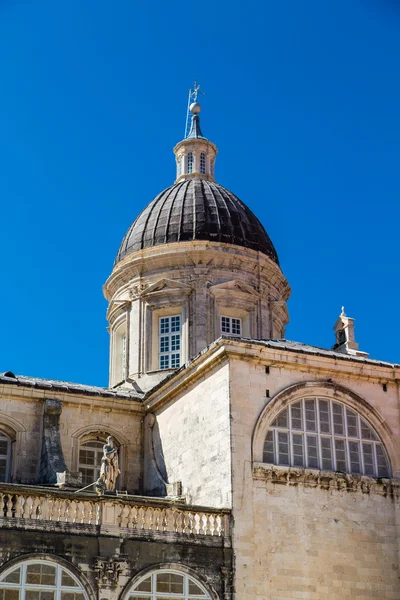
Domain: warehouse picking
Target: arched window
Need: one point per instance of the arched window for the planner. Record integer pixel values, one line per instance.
(202, 163)
(212, 168)
(323, 434)
(5, 457)
(164, 585)
(190, 162)
(40, 580)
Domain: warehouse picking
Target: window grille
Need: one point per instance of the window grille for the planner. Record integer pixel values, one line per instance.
(212, 168)
(170, 342)
(190, 162)
(202, 163)
(40, 580)
(162, 585)
(5, 457)
(319, 433)
(231, 326)
(90, 454)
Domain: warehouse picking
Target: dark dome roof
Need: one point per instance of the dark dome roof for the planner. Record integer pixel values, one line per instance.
(196, 210)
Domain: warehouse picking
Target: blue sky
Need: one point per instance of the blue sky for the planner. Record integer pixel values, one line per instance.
(303, 101)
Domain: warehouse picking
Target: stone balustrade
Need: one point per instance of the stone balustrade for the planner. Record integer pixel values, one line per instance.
(40, 507)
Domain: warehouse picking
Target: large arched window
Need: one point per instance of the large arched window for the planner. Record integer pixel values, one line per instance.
(165, 585)
(320, 433)
(40, 580)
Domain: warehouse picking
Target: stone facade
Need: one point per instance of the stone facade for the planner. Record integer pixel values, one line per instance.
(298, 533)
(225, 491)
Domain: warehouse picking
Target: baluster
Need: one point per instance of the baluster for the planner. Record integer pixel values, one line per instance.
(164, 520)
(170, 520)
(141, 517)
(67, 505)
(8, 506)
(121, 516)
(82, 510)
(52, 508)
(211, 524)
(36, 513)
(178, 522)
(73, 509)
(24, 507)
(207, 524)
(186, 522)
(149, 515)
(196, 524)
(218, 525)
(18, 507)
(133, 517)
(45, 508)
(29, 507)
(61, 510)
(98, 513)
(157, 519)
(1, 506)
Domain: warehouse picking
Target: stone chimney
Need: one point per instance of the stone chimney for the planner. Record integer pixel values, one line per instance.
(344, 333)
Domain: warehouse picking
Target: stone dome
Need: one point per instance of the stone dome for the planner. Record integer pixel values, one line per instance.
(196, 209)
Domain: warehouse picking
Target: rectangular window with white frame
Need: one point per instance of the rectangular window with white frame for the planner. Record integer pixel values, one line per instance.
(231, 326)
(170, 342)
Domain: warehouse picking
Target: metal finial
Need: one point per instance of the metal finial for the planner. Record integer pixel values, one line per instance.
(193, 108)
(343, 314)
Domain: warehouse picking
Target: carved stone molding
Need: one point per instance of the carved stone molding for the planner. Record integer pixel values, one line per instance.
(107, 572)
(227, 576)
(326, 480)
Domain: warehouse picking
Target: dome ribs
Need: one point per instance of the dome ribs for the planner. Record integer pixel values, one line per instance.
(200, 215)
(212, 217)
(196, 209)
(155, 232)
(182, 210)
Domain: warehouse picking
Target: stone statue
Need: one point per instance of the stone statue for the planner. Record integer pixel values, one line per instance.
(109, 470)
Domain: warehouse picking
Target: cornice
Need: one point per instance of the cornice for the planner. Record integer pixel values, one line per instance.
(31, 394)
(197, 254)
(326, 480)
(252, 351)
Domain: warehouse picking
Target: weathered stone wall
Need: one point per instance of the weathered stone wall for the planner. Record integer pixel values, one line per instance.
(21, 416)
(296, 540)
(193, 440)
(81, 549)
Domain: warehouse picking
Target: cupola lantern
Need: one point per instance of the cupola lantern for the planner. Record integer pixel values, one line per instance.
(195, 154)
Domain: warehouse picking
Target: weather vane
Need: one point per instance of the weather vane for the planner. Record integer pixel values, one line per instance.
(192, 99)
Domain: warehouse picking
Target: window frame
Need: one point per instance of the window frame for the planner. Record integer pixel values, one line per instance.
(169, 336)
(332, 436)
(133, 592)
(98, 451)
(189, 163)
(203, 163)
(57, 589)
(230, 319)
